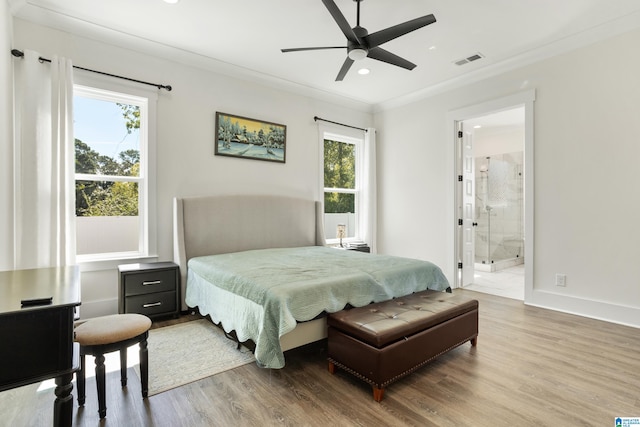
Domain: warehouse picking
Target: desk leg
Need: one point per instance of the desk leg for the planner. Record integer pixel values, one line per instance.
(63, 405)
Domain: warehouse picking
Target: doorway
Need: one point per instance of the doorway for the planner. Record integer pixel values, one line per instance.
(498, 204)
(494, 196)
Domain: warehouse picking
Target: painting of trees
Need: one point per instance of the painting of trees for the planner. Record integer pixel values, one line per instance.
(249, 138)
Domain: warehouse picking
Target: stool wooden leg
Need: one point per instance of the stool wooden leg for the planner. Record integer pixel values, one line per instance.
(378, 394)
(123, 367)
(100, 383)
(80, 382)
(144, 368)
(332, 368)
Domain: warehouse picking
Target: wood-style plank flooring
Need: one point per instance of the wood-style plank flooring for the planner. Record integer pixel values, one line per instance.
(532, 367)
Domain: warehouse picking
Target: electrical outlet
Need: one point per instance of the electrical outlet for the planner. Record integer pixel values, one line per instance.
(561, 279)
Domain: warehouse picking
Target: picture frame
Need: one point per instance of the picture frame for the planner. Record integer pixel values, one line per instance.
(246, 138)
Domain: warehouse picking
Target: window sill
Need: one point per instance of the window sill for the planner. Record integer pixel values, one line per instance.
(87, 265)
(336, 242)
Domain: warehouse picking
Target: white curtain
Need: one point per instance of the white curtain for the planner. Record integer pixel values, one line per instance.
(44, 162)
(368, 218)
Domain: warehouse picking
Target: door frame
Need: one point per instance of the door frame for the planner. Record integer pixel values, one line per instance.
(521, 99)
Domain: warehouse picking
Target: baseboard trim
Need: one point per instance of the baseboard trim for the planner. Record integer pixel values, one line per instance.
(599, 310)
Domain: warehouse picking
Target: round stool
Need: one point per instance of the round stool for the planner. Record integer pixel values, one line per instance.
(106, 334)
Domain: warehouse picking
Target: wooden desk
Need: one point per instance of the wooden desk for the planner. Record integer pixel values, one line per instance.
(37, 341)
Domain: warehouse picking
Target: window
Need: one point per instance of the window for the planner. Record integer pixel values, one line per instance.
(111, 132)
(342, 185)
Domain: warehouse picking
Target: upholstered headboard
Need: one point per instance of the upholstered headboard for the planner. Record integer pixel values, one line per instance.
(223, 224)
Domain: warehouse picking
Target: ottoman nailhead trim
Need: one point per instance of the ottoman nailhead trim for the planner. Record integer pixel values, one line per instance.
(400, 375)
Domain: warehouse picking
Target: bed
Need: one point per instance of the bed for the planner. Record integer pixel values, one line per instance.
(258, 266)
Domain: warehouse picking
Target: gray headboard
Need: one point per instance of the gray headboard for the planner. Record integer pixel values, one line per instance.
(223, 224)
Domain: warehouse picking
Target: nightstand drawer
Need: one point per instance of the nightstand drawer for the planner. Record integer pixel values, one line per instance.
(151, 289)
(156, 303)
(149, 281)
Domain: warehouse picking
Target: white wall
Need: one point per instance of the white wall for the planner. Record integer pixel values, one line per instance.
(412, 184)
(585, 158)
(585, 177)
(6, 132)
(186, 165)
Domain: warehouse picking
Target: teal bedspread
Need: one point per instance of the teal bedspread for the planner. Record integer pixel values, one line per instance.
(298, 284)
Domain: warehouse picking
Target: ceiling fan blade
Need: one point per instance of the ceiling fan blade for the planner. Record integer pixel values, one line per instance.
(341, 21)
(390, 58)
(299, 49)
(345, 67)
(383, 36)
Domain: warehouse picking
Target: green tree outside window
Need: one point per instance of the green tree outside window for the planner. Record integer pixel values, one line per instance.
(108, 198)
(339, 173)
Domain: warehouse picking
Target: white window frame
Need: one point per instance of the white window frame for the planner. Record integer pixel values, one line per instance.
(356, 139)
(146, 100)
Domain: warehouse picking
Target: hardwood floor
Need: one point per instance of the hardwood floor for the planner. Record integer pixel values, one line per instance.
(532, 367)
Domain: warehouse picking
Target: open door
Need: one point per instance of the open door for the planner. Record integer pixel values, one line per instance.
(467, 205)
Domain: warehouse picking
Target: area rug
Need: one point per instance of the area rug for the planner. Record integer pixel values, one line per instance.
(189, 351)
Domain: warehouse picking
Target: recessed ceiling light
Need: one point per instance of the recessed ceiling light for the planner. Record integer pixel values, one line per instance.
(477, 126)
(364, 71)
(171, 1)
(432, 48)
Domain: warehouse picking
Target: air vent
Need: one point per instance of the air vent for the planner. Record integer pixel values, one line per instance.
(468, 59)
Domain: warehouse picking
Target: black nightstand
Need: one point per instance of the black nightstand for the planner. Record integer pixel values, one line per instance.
(359, 248)
(151, 289)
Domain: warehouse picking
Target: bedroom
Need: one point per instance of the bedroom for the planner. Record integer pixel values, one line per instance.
(585, 158)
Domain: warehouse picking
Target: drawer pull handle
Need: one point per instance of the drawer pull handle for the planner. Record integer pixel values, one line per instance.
(155, 282)
(153, 304)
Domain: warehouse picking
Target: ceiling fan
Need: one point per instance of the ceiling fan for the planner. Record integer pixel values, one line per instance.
(361, 44)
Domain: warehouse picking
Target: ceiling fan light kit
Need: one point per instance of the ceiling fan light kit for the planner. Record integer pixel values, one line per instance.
(357, 54)
(361, 44)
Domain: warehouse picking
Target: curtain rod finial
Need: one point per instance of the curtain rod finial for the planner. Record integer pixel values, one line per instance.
(17, 53)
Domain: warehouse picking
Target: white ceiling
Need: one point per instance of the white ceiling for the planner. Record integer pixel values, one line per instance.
(246, 36)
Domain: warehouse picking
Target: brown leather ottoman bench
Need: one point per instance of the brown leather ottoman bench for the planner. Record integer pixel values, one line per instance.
(385, 341)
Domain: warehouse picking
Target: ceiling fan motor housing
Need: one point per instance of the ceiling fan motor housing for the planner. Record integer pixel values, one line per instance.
(357, 51)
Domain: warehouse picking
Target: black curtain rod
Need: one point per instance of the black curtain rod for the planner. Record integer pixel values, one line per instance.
(19, 54)
(316, 118)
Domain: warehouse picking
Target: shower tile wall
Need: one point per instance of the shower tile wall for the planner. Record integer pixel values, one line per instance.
(499, 235)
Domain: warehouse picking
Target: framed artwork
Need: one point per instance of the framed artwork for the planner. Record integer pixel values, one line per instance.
(238, 136)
